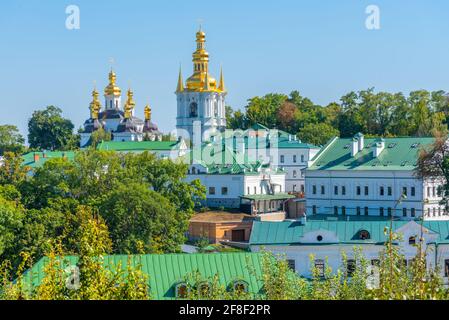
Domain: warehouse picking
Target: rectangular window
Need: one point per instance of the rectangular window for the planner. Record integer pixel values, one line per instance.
(282, 159)
(302, 158)
(413, 191)
(294, 158)
(336, 190)
(366, 211)
(314, 210)
(224, 191)
(314, 189)
(446, 268)
(413, 212)
(389, 212)
(323, 190)
(319, 267)
(211, 190)
(358, 211)
(302, 188)
(359, 191)
(343, 190)
(390, 191)
(404, 212)
(343, 211)
(291, 264)
(350, 269)
(404, 191)
(434, 192)
(336, 211)
(366, 191)
(381, 212)
(382, 191)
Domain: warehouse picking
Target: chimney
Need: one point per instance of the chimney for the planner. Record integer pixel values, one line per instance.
(378, 147)
(36, 157)
(44, 154)
(303, 220)
(354, 147)
(361, 139)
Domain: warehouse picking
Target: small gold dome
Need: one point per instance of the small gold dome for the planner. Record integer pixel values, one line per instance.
(112, 89)
(197, 82)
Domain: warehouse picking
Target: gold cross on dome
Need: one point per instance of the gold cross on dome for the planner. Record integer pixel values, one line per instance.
(200, 22)
(111, 62)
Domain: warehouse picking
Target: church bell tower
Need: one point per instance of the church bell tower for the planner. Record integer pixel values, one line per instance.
(201, 101)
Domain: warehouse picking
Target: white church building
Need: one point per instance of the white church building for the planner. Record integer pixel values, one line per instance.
(117, 119)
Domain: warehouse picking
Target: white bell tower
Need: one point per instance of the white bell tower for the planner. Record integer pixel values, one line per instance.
(201, 102)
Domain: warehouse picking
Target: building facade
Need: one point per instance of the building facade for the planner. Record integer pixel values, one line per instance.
(235, 182)
(325, 239)
(372, 177)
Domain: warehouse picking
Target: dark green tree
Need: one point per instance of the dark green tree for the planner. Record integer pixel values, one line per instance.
(317, 134)
(11, 140)
(48, 130)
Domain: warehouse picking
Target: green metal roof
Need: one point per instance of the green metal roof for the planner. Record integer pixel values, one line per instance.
(284, 143)
(290, 232)
(278, 196)
(219, 159)
(399, 154)
(28, 159)
(138, 146)
(167, 270)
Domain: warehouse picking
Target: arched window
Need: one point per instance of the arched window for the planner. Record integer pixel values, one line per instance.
(364, 235)
(193, 110)
(240, 286)
(216, 109)
(204, 290)
(412, 241)
(181, 290)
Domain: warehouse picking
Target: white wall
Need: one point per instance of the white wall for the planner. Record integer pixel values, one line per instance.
(374, 180)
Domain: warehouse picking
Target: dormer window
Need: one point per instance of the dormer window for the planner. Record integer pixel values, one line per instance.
(204, 290)
(364, 235)
(240, 286)
(181, 290)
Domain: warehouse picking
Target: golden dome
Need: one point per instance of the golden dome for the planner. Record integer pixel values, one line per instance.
(95, 106)
(129, 105)
(201, 79)
(112, 89)
(147, 112)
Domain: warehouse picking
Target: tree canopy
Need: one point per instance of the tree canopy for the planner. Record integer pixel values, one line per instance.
(11, 140)
(48, 130)
(367, 111)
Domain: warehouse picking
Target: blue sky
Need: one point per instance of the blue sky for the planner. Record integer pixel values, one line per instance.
(320, 48)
